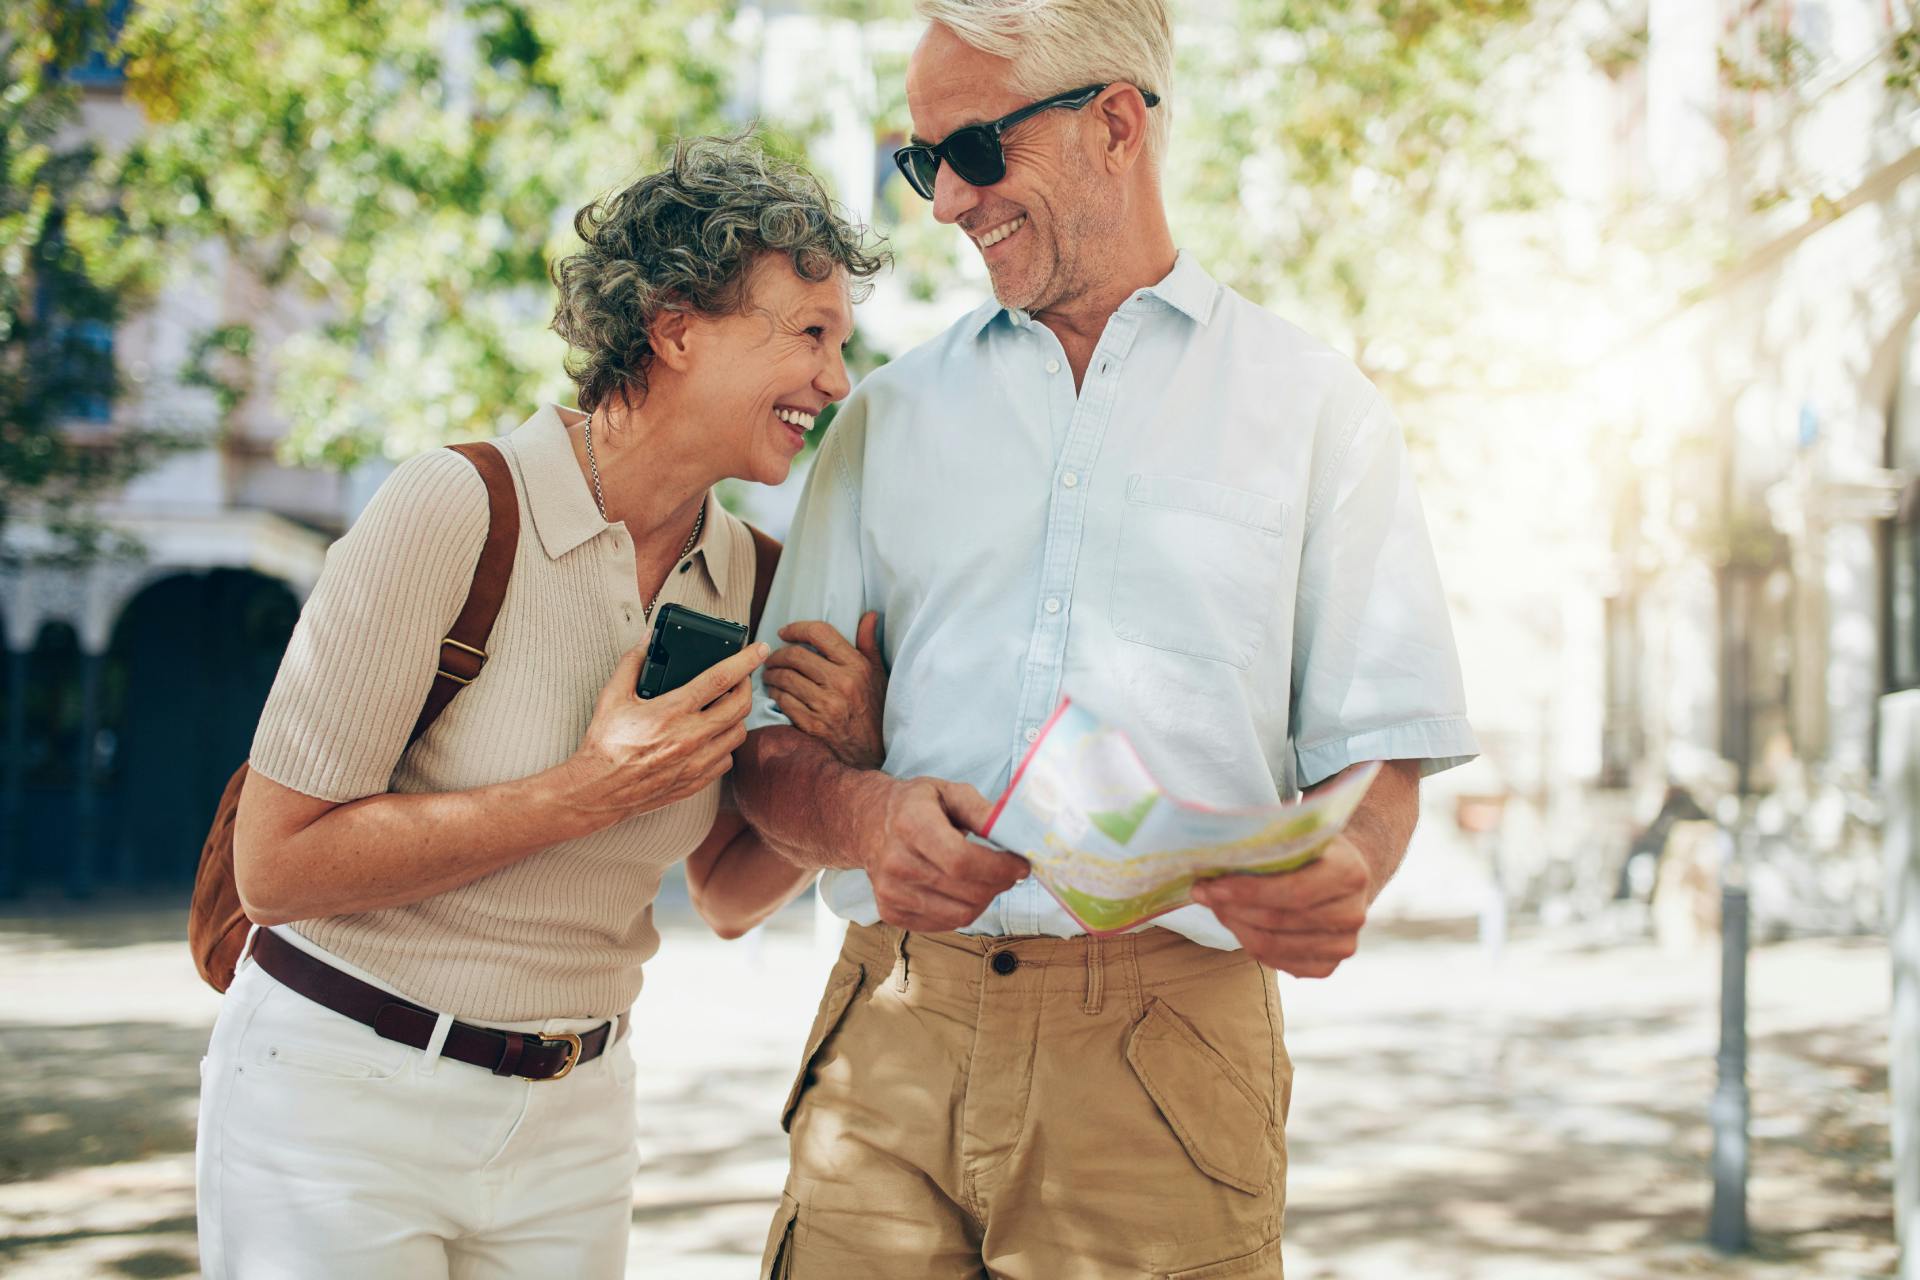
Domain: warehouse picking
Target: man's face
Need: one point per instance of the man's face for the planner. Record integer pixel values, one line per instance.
(1040, 229)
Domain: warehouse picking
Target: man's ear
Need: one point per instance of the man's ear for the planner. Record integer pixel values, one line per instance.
(673, 334)
(1122, 112)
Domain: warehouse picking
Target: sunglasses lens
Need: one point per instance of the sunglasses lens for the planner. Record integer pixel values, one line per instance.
(975, 155)
(918, 165)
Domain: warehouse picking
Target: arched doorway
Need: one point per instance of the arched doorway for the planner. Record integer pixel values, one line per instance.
(42, 774)
(186, 673)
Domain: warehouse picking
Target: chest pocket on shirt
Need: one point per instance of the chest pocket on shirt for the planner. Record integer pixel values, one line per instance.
(1196, 567)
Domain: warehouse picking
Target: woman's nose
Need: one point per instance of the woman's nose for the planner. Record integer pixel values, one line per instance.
(832, 382)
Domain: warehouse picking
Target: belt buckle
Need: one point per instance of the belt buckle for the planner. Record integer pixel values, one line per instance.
(573, 1056)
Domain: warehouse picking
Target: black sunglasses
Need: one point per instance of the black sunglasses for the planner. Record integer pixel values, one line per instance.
(974, 152)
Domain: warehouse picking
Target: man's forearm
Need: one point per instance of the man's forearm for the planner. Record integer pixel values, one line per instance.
(1382, 825)
(801, 798)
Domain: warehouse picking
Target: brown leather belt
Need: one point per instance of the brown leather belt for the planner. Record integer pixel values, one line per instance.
(505, 1053)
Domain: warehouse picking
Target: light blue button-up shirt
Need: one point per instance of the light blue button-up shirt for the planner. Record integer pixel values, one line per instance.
(1215, 544)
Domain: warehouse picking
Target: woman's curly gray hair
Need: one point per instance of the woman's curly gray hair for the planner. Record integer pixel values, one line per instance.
(686, 238)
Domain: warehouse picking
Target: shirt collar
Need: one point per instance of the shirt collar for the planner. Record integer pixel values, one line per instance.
(561, 500)
(561, 503)
(1187, 288)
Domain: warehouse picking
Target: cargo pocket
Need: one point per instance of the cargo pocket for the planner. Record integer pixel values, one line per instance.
(777, 1262)
(1264, 1262)
(1216, 1115)
(833, 1007)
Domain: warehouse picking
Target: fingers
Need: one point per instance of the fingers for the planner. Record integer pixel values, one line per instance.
(867, 639)
(965, 805)
(1336, 875)
(822, 636)
(973, 867)
(729, 709)
(722, 676)
(1344, 915)
(1308, 942)
(808, 663)
(625, 679)
(791, 689)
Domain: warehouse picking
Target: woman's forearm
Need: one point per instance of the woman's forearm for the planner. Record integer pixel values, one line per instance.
(391, 850)
(736, 880)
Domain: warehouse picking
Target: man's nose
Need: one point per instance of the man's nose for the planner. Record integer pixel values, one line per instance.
(953, 195)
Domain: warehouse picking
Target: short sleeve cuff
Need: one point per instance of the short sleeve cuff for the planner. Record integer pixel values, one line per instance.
(1436, 744)
(766, 713)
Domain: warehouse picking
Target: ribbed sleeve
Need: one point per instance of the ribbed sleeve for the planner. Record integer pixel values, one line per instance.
(364, 652)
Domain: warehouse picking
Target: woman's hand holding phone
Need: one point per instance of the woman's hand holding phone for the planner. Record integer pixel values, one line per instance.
(641, 754)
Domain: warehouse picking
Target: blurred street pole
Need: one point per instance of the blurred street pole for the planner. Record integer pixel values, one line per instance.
(1727, 1225)
(1900, 790)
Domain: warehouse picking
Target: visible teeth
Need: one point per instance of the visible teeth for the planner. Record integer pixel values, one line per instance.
(1002, 231)
(794, 417)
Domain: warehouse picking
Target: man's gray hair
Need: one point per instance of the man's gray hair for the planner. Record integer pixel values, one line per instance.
(686, 239)
(1057, 45)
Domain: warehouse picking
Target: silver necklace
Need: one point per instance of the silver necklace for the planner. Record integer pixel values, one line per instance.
(600, 501)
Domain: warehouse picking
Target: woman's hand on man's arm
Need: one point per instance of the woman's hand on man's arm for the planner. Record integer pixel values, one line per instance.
(832, 690)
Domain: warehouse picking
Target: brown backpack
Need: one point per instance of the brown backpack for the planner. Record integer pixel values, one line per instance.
(217, 924)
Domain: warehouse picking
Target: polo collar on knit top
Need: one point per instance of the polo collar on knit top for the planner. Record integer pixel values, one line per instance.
(560, 498)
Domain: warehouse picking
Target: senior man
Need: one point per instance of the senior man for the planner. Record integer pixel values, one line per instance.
(1118, 479)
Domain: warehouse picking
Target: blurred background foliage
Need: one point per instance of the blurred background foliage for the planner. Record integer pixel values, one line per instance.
(413, 165)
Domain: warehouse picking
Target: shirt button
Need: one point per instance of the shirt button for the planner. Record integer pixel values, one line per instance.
(1004, 962)
(688, 565)
(627, 614)
(1033, 733)
(1053, 366)
(1070, 479)
(1103, 366)
(1053, 604)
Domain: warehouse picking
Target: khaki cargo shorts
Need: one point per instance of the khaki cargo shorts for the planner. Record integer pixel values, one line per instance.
(1036, 1109)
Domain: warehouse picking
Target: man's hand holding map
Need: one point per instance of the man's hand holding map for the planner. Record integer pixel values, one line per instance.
(1116, 850)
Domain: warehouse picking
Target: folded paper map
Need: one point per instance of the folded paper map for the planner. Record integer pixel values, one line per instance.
(1116, 850)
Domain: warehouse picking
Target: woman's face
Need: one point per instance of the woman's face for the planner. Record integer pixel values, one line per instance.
(761, 377)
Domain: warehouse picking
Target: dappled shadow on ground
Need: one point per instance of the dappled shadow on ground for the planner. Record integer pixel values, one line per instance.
(104, 922)
(151, 1261)
(95, 1094)
(1567, 1140)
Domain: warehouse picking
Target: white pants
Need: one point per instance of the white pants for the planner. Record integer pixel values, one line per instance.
(326, 1152)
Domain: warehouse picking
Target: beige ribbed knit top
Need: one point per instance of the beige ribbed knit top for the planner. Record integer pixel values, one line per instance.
(564, 931)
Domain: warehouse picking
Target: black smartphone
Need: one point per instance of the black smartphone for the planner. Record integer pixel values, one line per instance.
(685, 643)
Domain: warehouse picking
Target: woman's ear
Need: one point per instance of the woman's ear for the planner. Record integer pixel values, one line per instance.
(672, 336)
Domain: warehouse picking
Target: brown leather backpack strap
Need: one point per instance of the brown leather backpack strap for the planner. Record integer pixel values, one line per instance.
(766, 558)
(464, 650)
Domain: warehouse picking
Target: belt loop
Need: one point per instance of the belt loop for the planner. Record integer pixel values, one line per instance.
(509, 1062)
(430, 1056)
(900, 964)
(1096, 975)
(1131, 957)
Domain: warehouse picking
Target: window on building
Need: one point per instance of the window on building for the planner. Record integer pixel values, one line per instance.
(102, 69)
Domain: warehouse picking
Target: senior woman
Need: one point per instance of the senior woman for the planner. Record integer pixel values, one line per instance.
(499, 873)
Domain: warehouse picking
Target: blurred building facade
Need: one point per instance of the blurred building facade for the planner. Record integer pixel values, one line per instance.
(1712, 597)
(130, 686)
(1760, 476)
(131, 683)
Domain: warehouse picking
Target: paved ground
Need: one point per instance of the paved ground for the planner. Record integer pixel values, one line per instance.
(1541, 1118)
